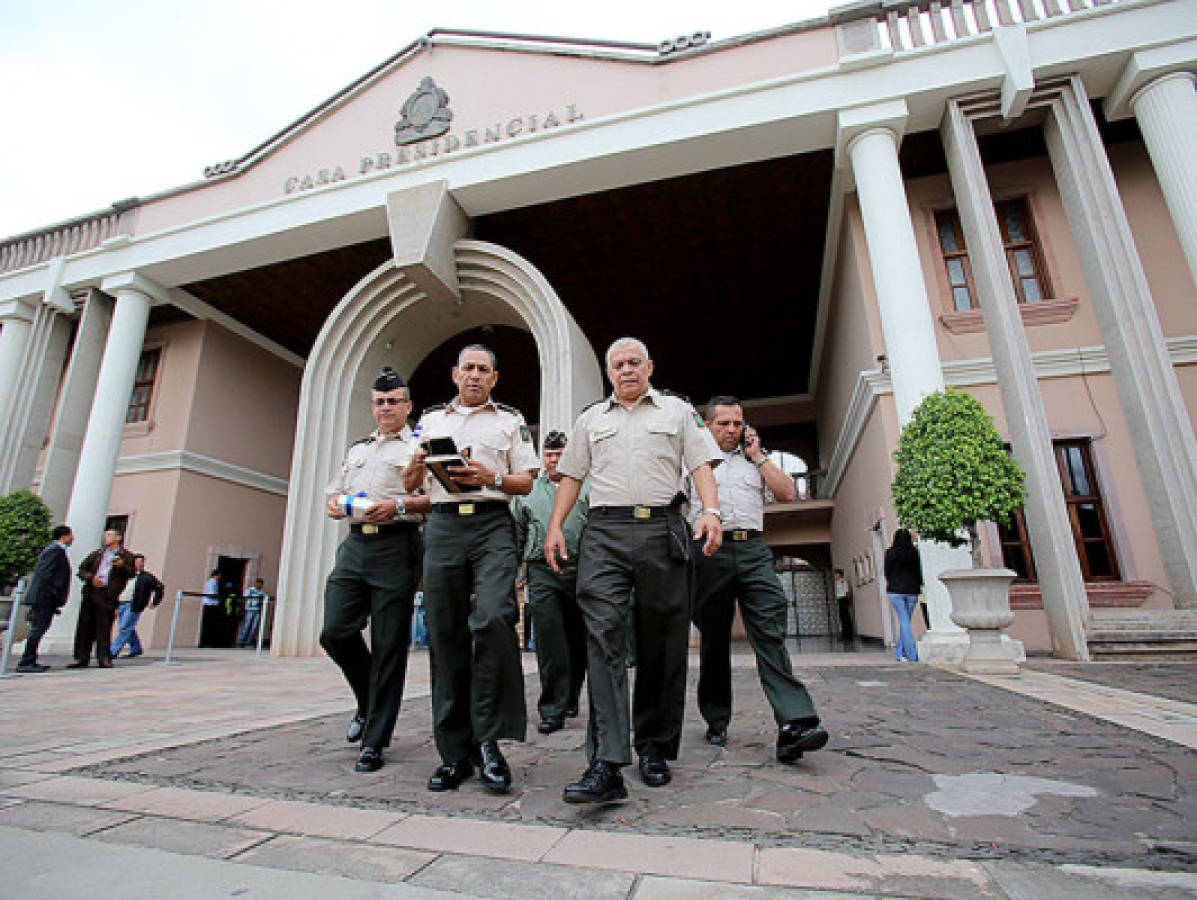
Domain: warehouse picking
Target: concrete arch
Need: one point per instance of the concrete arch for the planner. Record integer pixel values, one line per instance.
(386, 319)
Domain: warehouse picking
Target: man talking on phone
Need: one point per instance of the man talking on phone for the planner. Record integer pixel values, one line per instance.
(742, 568)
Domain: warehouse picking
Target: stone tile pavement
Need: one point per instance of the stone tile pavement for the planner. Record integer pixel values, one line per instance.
(234, 771)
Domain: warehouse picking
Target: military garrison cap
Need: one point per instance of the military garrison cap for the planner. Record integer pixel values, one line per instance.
(389, 380)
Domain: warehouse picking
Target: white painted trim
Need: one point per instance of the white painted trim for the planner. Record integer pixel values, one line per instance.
(167, 460)
(871, 384)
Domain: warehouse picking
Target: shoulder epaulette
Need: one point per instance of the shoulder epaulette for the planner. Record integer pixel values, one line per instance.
(590, 404)
(368, 439)
(669, 393)
(508, 409)
(436, 407)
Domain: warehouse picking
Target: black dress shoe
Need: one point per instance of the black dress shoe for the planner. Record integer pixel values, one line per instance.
(356, 726)
(716, 736)
(369, 760)
(31, 668)
(796, 738)
(654, 771)
(450, 776)
(601, 783)
(551, 724)
(107, 665)
(494, 772)
(79, 664)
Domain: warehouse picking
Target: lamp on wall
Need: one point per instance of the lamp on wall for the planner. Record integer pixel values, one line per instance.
(883, 363)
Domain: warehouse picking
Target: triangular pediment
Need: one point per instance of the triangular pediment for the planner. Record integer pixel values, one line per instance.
(441, 97)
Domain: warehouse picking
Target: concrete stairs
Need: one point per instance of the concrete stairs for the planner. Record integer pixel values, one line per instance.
(1147, 634)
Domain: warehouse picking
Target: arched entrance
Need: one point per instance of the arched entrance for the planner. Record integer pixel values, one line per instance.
(387, 320)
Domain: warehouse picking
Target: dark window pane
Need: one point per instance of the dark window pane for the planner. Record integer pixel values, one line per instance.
(1088, 521)
(1097, 560)
(947, 233)
(1076, 481)
(1012, 213)
(1014, 558)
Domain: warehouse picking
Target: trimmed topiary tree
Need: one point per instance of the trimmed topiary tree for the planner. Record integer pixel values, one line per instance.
(953, 472)
(24, 531)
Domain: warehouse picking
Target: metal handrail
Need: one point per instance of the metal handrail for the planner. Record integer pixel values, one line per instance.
(17, 594)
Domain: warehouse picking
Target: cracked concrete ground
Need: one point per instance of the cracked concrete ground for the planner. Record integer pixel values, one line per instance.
(921, 760)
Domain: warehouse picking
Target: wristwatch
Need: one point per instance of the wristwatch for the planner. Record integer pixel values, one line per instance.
(760, 462)
(400, 506)
(708, 511)
(498, 482)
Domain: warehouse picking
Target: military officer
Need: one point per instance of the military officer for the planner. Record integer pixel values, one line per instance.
(470, 567)
(743, 568)
(552, 596)
(636, 446)
(376, 570)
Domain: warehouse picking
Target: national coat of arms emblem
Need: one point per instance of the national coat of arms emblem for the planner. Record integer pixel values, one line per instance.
(425, 114)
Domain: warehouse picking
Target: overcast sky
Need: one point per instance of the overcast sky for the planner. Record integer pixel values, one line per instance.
(108, 99)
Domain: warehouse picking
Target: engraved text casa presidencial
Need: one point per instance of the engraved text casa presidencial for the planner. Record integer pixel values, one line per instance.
(431, 149)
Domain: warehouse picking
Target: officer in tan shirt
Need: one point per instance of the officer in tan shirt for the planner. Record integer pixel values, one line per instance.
(636, 446)
(742, 570)
(376, 570)
(478, 688)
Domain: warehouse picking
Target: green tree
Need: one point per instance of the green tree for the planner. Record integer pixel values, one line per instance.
(954, 471)
(24, 531)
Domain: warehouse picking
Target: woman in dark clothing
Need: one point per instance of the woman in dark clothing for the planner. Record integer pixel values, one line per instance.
(904, 580)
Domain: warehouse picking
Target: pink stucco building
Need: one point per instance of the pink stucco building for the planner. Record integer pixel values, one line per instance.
(829, 219)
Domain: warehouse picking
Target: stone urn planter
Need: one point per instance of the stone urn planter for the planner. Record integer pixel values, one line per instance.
(981, 606)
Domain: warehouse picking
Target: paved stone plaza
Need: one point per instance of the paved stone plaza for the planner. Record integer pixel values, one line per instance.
(933, 785)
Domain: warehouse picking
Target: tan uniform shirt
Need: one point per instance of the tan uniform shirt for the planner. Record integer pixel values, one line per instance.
(375, 465)
(496, 435)
(741, 494)
(638, 456)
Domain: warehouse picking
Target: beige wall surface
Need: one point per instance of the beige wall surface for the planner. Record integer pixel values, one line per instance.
(171, 402)
(148, 499)
(244, 404)
(207, 513)
(1168, 276)
(517, 85)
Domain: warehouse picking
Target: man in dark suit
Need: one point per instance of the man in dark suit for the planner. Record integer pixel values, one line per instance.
(48, 592)
(104, 573)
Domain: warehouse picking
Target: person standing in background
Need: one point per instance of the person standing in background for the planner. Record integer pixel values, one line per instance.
(903, 582)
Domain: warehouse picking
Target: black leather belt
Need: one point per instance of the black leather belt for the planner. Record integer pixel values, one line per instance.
(369, 529)
(741, 534)
(476, 507)
(628, 512)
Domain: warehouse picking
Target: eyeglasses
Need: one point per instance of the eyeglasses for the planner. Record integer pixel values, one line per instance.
(390, 401)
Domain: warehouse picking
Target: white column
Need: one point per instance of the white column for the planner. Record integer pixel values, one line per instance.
(897, 275)
(88, 507)
(1166, 110)
(1148, 389)
(1052, 541)
(909, 340)
(15, 325)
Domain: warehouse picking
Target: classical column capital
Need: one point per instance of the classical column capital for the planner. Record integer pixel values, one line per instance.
(125, 282)
(854, 123)
(1145, 68)
(19, 309)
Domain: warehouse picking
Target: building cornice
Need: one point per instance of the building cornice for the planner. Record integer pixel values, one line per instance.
(873, 383)
(187, 461)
